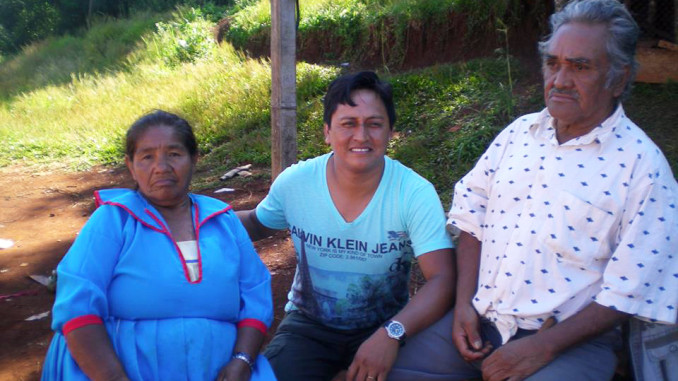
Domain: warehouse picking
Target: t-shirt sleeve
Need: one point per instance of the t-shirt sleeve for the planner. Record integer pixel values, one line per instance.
(425, 220)
(85, 272)
(256, 300)
(271, 210)
(641, 277)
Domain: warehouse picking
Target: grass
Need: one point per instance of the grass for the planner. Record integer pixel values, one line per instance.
(349, 29)
(653, 108)
(224, 94)
(56, 60)
(77, 113)
(449, 114)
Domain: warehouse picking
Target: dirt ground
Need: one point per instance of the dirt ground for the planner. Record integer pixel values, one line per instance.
(42, 213)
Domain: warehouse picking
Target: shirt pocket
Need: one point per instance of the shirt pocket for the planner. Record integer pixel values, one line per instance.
(579, 232)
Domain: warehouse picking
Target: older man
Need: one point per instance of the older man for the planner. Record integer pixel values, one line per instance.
(568, 222)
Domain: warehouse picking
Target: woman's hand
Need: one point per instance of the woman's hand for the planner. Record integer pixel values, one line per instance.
(374, 358)
(248, 342)
(235, 370)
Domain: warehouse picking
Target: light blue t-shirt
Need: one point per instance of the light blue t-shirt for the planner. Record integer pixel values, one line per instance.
(354, 274)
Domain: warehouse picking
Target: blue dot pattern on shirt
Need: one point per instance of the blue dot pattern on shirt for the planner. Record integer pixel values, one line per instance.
(591, 219)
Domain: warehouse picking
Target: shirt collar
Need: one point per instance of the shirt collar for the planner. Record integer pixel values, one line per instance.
(543, 127)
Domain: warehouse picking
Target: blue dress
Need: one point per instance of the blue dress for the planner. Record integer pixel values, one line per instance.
(125, 268)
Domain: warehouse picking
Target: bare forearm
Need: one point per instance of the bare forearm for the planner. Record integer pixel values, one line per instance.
(588, 323)
(255, 229)
(435, 298)
(468, 263)
(518, 359)
(249, 341)
(430, 303)
(91, 349)
(377, 354)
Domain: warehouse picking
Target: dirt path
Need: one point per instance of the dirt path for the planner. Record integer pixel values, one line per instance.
(42, 213)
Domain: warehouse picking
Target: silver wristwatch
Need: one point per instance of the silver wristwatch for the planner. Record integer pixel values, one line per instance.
(395, 330)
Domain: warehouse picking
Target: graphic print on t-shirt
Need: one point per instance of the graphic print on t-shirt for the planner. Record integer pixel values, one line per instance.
(348, 283)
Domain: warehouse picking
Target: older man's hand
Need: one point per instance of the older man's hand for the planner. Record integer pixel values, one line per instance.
(466, 333)
(516, 360)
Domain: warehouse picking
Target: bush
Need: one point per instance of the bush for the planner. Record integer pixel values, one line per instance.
(24, 22)
(186, 38)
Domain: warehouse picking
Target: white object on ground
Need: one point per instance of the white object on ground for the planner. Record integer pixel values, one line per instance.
(43, 280)
(6, 243)
(235, 171)
(38, 316)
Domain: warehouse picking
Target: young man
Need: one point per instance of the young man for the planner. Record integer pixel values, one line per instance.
(357, 219)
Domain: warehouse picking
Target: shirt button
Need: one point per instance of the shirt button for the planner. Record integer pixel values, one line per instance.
(673, 348)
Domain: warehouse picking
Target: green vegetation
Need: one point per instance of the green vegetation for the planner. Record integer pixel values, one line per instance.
(653, 108)
(23, 22)
(55, 60)
(81, 121)
(448, 116)
(349, 30)
(70, 99)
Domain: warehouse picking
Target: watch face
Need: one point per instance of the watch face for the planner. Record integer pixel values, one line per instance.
(395, 330)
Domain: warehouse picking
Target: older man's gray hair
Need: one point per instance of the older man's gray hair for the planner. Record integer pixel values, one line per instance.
(622, 35)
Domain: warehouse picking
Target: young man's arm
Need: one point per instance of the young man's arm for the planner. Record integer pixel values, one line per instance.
(376, 355)
(255, 229)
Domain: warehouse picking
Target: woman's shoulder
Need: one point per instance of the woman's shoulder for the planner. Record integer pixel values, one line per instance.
(123, 197)
(210, 207)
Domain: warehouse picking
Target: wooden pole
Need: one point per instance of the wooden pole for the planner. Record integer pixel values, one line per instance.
(283, 86)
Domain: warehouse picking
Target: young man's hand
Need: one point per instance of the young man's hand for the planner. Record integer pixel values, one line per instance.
(374, 358)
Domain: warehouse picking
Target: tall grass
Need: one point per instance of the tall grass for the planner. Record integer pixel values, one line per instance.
(55, 60)
(225, 95)
(447, 114)
(352, 29)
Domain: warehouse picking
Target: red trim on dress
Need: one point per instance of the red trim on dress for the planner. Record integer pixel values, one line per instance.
(218, 212)
(80, 322)
(97, 199)
(134, 215)
(165, 230)
(196, 227)
(254, 323)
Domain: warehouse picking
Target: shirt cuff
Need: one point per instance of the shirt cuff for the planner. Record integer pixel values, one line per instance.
(254, 323)
(79, 322)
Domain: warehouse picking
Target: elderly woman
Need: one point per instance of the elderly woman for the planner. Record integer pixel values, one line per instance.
(160, 284)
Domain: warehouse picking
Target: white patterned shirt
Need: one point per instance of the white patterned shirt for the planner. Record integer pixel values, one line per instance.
(562, 225)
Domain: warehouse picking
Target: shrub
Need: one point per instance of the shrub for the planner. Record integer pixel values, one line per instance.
(186, 38)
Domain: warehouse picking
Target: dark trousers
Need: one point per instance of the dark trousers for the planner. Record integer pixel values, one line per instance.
(431, 356)
(305, 350)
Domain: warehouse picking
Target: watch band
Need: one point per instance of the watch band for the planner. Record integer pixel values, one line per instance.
(396, 331)
(244, 357)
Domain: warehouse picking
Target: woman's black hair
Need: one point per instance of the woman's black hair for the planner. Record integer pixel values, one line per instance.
(339, 92)
(161, 118)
